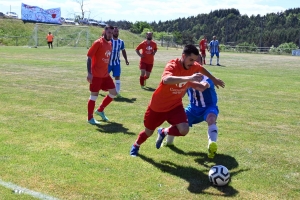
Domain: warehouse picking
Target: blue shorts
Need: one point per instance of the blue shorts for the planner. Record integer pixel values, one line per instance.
(116, 69)
(198, 115)
(212, 54)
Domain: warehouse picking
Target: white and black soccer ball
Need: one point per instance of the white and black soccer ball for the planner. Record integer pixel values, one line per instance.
(219, 175)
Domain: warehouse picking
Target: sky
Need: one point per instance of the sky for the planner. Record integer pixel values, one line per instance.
(150, 10)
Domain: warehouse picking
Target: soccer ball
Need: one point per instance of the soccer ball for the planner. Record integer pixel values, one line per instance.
(218, 175)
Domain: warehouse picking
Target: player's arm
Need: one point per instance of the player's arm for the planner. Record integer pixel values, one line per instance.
(218, 82)
(203, 85)
(171, 80)
(125, 56)
(89, 77)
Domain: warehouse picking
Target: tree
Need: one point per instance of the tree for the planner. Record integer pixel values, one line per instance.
(81, 3)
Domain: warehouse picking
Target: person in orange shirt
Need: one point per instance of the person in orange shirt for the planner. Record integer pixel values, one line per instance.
(203, 46)
(50, 38)
(98, 76)
(149, 49)
(166, 102)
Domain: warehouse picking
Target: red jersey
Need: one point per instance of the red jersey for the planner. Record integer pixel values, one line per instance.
(100, 54)
(147, 51)
(203, 44)
(50, 38)
(168, 96)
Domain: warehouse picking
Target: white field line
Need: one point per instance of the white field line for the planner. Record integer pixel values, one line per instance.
(20, 190)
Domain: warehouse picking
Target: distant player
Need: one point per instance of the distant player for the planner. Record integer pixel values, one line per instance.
(98, 76)
(114, 63)
(203, 107)
(148, 48)
(50, 38)
(214, 49)
(203, 46)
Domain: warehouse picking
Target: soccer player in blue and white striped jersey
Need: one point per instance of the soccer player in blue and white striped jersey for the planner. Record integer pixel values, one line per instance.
(203, 107)
(115, 63)
(214, 48)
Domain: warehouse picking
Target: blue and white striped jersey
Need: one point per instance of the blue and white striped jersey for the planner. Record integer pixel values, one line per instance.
(117, 46)
(203, 99)
(214, 46)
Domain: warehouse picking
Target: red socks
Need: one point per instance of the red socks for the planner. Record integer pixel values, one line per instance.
(91, 107)
(107, 100)
(141, 138)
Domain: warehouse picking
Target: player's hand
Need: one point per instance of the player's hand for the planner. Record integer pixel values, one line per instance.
(89, 78)
(127, 63)
(196, 77)
(218, 82)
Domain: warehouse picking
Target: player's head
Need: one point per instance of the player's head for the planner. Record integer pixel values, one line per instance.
(214, 37)
(49, 33)
(189, 56)
(204, 37)
(149, 35)
(115, 32)
(108, 32)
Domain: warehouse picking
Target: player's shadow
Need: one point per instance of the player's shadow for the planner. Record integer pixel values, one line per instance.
(113, 127)
(150, 89)
(122, 99)
(198, 180)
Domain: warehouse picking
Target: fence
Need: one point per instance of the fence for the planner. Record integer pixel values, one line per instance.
(24, 41)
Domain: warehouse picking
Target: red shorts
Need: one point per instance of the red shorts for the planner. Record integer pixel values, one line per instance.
(153, 119)
(146, 67)
(203, 52)
(105, 84)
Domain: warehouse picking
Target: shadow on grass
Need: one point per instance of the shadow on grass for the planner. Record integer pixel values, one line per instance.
(113, 127)
(121, 99)
(198, 180)
(150, 89)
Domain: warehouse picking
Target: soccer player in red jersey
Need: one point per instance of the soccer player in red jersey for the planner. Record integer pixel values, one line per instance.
(98, 76)
(149, 49)
(166, 102)
(203, 46)
(50, 38)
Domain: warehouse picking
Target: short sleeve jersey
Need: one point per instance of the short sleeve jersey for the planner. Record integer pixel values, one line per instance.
(100, 53)
(169, 96)
(117, 46)
(214, 46)
(203, 44)
(147, 51)
(50, 38)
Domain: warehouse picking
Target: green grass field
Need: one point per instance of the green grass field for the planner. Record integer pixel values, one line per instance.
(47, 146)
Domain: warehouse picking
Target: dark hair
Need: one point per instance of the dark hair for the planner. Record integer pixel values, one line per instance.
(109, 27)
(190, 49)
(115, 27)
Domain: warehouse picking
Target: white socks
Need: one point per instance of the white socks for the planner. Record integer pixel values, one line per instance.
(118, 85)
(212, 133)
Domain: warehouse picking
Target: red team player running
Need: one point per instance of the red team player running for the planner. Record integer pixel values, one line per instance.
(149, 49)
(98, 76)
(166, 102)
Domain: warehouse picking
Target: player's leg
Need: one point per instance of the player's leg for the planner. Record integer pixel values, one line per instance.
(149, 68)
(211, 57)
(51, 45)
(192, 119)
(117, 74)
(151, 121)
(48, 44)
(108, 84)
(179, 125)
(212, 131)
(143, 73)
(94, 89)
(218, 56)
(203, 57)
